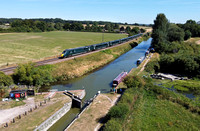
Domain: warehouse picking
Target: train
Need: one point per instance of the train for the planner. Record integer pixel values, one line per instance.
(85, 49)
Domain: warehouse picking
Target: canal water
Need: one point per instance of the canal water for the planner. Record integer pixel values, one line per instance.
(100, 80)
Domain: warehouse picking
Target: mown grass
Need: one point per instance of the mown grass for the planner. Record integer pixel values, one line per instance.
(11, 104)
(23, 47)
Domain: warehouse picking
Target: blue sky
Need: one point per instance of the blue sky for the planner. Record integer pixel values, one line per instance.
(130, 11)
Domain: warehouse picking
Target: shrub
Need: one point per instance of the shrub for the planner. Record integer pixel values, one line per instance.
(5, 80)
(152, 66)
(113, 125)
(118, 111)
(134, 81)
(29, 75)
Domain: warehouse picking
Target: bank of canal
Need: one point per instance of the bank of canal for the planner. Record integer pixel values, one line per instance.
(101, 80)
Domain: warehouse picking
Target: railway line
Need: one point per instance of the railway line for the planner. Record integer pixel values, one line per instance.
(10, 70)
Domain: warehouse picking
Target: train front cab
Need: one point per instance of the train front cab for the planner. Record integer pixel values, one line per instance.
(64, 54)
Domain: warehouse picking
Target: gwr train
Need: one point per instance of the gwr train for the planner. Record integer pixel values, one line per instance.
(85, 49)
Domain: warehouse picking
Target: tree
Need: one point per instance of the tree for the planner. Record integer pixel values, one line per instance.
(128, 29)
(193, 27)
(5, 80)
(27, 74)
(58, 26)
(108, 27)
(135, 30)
(122, 28)
(94, 27)
(175, 33)
(160, 32)
(116, 26)
(50, 26)
(188, 34)
(66, 26)
(41, 25)
(76, 26)
(142, 30)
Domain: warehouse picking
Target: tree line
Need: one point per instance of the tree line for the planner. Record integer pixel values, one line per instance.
(43, 25)
(177, 56)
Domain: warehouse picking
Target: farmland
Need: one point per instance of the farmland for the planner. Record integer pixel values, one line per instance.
(24, 47)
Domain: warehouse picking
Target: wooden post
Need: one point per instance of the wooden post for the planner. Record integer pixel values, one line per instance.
(13, 121)
(19, 117)
(6, 125)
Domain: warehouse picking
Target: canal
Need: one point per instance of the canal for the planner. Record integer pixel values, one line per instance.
(100, 80)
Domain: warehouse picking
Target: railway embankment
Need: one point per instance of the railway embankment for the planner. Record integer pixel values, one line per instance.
(80, 66)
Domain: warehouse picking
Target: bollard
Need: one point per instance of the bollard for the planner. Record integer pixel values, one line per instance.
(40, 103)
(19, 117)
(30, 109)
(25, 113)
(6, 125)
(13, 121)
(35, 106)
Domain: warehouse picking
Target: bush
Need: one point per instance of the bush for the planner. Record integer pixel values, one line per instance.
(152, 66)
(188, 34)
(119, 111)
(27, 74)
(113, 125)
(5, 80)
(134, 44)
(134, 81)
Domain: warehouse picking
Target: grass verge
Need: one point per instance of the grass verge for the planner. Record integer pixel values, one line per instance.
(82, 65)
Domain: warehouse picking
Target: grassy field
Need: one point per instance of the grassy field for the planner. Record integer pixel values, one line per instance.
(150, 113)
(23, 47)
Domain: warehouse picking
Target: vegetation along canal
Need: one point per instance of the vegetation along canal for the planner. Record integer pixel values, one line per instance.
(100, 80)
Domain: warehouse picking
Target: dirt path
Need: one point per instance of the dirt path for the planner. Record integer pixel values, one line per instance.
(8, 114)
(90, 119)
(149, 57)
(198, 42)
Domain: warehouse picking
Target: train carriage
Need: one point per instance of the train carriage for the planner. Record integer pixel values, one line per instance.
(115, 42)
(85, 49)
(99, 46)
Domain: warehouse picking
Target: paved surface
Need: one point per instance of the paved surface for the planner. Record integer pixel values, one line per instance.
(8, 114)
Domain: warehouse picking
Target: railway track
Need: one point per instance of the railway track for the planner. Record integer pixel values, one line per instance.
(10, 70)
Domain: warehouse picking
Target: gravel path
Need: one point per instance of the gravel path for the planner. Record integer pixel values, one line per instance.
(8, 114)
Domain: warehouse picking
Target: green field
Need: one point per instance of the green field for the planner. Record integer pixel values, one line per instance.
(23, 47)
